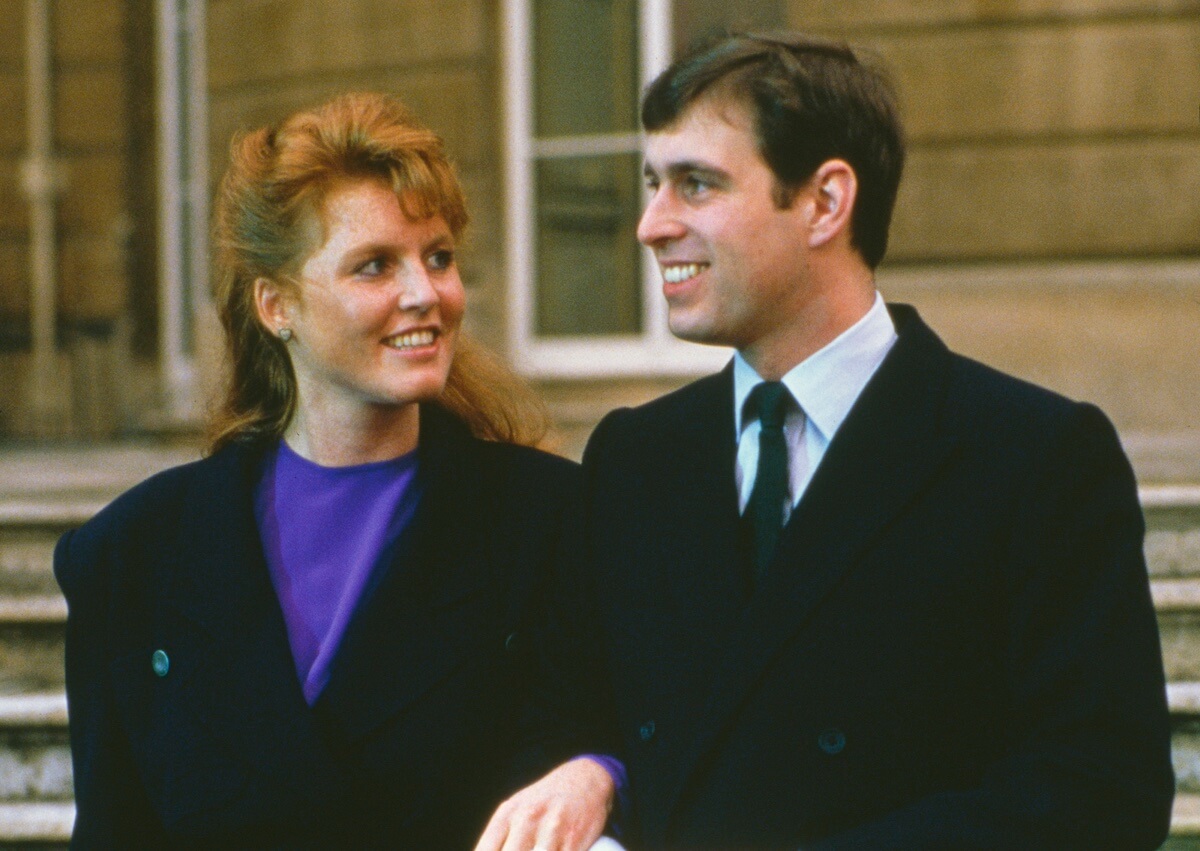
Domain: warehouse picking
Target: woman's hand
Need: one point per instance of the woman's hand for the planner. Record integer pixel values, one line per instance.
(564, 811)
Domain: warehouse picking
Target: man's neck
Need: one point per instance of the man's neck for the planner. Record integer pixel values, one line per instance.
(827, 315)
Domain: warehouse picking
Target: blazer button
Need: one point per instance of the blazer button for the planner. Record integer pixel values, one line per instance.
(832, 741)
(646, 731)
(160, 663)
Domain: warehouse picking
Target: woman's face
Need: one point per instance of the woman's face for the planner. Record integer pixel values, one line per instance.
(379, 305)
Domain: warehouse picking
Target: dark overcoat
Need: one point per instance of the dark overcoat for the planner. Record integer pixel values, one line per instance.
(955, 647)
(409, 745)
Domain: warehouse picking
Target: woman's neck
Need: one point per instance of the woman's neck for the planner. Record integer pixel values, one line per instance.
(367, 435)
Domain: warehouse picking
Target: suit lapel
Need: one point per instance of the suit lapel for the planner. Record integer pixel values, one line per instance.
(255, 707)
(882, 456)
(700, 528)
(415, 626)
(681, 551)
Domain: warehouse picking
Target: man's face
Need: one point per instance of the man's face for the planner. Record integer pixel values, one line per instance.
(734, 265)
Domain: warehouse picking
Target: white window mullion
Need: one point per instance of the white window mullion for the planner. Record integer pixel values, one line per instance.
(587, 146)
(518, 67)
(655, 21)
(656, 55)
(195, 19)
(171, 207)
(183, 197)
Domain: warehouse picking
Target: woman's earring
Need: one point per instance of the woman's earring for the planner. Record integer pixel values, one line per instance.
(285, 334)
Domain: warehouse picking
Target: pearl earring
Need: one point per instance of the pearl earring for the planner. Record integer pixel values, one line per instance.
(285, 334)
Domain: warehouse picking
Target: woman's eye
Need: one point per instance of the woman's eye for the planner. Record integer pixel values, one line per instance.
(375, 266)
(440, 260)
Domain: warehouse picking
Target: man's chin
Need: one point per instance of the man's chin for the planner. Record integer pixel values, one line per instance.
(695, 332)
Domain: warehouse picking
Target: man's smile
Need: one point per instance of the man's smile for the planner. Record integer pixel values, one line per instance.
(676, 273)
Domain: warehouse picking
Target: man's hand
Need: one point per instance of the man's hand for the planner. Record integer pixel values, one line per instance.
(564, 811)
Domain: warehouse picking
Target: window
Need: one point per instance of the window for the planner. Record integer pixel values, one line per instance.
(584, 296)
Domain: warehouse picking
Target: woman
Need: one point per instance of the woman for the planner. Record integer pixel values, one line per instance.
(313, 637)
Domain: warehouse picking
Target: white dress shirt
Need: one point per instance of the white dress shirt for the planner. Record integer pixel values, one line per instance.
(825, 387)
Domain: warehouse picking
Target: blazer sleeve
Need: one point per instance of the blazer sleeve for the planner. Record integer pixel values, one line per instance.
(1087, 757)
(570, 709)
(112, 810)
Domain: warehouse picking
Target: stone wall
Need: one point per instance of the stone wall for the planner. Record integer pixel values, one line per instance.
(103, 137)
(1049, 220)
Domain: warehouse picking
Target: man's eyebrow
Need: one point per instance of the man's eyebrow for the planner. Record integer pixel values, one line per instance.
(674, 171)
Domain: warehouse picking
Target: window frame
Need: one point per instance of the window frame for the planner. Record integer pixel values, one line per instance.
(653, 352)
(183, 209)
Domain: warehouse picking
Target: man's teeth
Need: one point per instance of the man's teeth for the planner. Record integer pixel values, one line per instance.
(412, 340)
(675, 274)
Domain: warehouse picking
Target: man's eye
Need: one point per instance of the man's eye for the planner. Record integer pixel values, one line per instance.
(440, 260)
(693, 185)
(652, 183)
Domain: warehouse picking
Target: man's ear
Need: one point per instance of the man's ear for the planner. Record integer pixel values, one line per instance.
(834, 188)
(273, 305)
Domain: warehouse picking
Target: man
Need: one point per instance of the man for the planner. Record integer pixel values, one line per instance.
(855, 591)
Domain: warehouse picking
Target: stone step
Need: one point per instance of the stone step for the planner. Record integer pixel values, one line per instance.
(35, 766)
(35, 754)
(31, 635)
(98, 470)
(31, 643)
(1184, 700)
(48, 489)
(1185, 824)
(1177, 601)
(45, 826)
(36, 807)
(35, 786)
(31, 523)
(1172, 529)
(29, 529)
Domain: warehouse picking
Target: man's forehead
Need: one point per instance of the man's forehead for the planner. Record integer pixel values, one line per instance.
(707, 131)
(707, 111)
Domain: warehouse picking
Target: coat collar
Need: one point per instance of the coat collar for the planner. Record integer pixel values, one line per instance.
(410, 626)
(889, 446)
(223, 588)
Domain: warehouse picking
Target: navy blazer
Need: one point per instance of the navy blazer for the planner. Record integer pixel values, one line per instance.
(410, 745)
(955, 646)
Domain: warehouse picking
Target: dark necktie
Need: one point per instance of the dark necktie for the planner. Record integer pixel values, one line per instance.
(765, 508)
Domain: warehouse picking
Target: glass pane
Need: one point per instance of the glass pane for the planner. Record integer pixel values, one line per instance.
(588, 257)
(697, 20)
(586, 68)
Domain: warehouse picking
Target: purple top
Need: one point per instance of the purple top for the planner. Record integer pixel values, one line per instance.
(323, 531)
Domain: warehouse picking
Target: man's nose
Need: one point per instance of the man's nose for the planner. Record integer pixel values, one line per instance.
(660, 222)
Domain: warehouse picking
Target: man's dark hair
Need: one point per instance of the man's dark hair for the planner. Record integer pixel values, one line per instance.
(811, 101)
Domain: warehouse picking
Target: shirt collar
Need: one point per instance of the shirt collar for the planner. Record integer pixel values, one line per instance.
(828, 382)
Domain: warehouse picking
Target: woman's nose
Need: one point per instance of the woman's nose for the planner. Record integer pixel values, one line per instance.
(417, 291)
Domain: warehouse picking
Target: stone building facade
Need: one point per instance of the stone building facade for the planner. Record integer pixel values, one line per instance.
(1049, 221)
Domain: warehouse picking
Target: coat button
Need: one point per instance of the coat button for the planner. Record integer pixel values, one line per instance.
(160, 663)
(510, 642)
(646, 731)
(832, 741)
